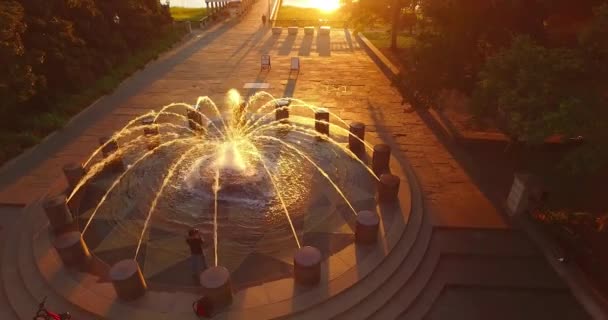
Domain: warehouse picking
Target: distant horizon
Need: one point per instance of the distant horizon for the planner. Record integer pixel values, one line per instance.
(201, 3)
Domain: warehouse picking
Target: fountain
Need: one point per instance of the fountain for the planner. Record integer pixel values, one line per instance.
(262, 179)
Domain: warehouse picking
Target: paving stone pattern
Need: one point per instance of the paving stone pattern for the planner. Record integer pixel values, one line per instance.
(338, 74)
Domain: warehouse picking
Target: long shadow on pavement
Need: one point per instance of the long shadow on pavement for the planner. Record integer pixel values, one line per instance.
(254, 38)
(305, 46)
(290, 88)
(269, 43)
(324, 45)
(486, 186)
(349, 40)
(287, 45)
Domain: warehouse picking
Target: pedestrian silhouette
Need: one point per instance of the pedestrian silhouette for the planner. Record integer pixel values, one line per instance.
(264, 20)
(195, 242)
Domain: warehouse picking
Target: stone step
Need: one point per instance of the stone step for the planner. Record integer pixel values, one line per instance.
(33, 280)
(415, 299)
(6, 311)
(494, 271)
(409, 292)
(21, 301)
(83, 292)
(356, 301)
(485, 273)
(497, 242)
(408, 269)
(460, 303)
(424, 301)
(493, 257)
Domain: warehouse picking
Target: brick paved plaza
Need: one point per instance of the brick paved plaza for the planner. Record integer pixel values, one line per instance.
(455, 256)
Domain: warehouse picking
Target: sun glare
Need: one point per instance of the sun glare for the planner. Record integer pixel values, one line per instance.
(325, 5)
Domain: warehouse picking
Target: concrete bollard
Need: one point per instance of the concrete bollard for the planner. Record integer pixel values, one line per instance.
(322, 114)
(309, 31)
(109, 148)
(282, 110)
(195, 120)
(366, 230)
(150, 128)
(73, 172)
(381, 159)
(217, 286)
(388, 188)
(116, 165)
(292, 31)
(152, 144)
(58, 213)
(148, 121)
(128, 280)
(277, 30)
(324, 30)
(357, 130)
(72, 250)
(307, 266)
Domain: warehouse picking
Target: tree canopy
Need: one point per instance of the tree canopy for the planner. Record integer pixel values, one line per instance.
(56, 47)
(535, 91)
(398, 13)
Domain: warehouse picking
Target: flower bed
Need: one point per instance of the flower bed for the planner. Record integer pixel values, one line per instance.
(582, 236)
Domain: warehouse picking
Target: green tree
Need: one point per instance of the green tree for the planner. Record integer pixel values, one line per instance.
(57, 47)
(534, 92)
(397, 13)
(459, 35)
(18, 82)
(594, 45)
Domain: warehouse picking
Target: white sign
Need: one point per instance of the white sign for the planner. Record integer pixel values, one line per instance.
(515, 196)
(256, 85)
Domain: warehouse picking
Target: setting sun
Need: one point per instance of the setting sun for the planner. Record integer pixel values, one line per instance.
(325, 5)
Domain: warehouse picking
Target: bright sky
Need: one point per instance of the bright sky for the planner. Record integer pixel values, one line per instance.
(325, 5)
(322, 4)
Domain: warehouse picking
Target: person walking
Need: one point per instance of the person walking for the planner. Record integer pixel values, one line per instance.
(264, 20)
(195, 242)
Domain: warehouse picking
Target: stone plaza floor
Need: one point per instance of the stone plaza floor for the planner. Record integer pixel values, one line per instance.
(455, 257)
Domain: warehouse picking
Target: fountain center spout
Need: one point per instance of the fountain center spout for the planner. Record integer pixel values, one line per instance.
(230, 157)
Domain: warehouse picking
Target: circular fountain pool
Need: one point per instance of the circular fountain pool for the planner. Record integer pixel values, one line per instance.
(257, 188)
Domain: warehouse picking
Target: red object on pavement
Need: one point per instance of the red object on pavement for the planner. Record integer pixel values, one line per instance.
(203, 308)
(53, 315)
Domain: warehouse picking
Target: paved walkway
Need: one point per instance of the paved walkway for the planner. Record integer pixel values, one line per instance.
(338, 74)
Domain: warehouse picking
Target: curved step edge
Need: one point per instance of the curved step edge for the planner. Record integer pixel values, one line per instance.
(372, 282)
(21, 302)
(409, 290)
(83, 291)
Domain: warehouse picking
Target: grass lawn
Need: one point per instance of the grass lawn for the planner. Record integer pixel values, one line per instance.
(188, 14)
(308, 16)
(37, 126)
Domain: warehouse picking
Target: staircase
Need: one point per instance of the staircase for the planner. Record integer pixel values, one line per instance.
(22, 282)
(431, 273)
